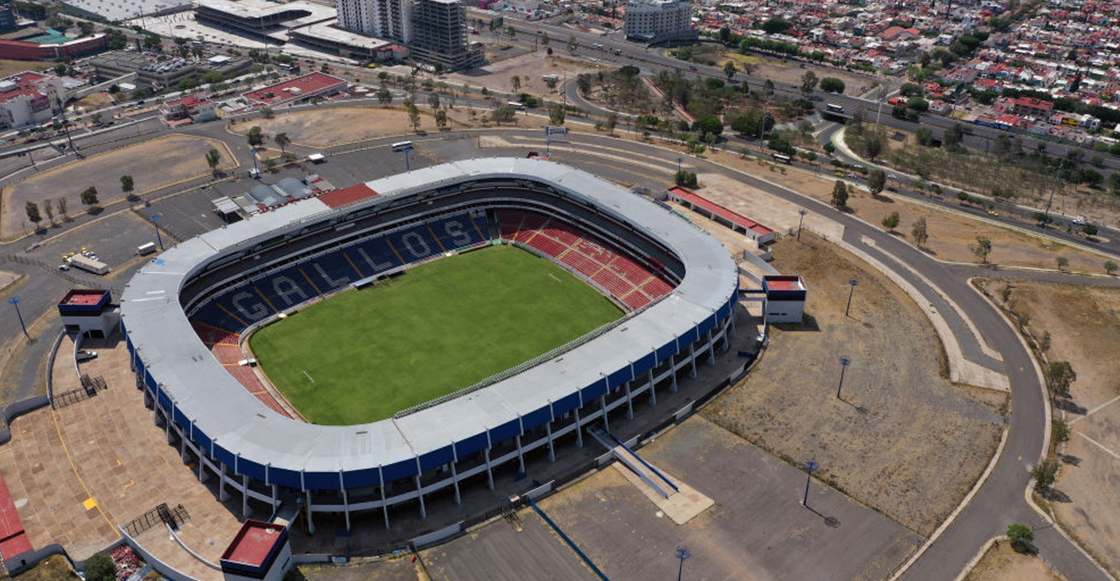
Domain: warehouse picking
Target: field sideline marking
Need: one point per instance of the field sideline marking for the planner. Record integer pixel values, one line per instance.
(1100, 445)
(1095, 410)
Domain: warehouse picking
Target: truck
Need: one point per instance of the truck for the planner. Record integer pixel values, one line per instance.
(146, 249)
(88, 264)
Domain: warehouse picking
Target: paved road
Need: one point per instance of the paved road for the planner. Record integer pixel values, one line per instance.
(1000, 501)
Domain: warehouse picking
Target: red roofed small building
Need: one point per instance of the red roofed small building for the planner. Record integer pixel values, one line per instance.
(259, 552)
(297, 89)
(29, 98)
(194, 107)
(1031, 106)
(785, 298)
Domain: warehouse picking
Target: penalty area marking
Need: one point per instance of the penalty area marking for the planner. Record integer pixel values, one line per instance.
(309, 378)
(553, 277)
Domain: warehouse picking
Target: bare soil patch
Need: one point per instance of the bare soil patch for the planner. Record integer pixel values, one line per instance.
(529, 68)
(950, 234)
(152, 165)
(1085, 331)
(1001, 563)
(903, 439)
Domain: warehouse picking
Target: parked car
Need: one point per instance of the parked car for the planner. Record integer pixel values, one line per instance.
(83, 356)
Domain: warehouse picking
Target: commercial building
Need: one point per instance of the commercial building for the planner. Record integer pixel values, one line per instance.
(298, 89)
(29, 98)
(659, 21)
(194, 107)
(391, 19)
(260, 18)
(155, 73)
(440, 35)
(354, 45)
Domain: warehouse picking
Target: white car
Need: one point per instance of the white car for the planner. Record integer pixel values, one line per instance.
(1079, 221)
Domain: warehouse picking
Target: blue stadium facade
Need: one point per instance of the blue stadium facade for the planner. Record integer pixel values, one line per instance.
(248, 273)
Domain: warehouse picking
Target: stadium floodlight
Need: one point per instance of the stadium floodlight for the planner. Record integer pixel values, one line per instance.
(14, 301)
(406, 151)
(810, 466)
(854, 283)
(844, 363)
(800, 221)
(683, 555)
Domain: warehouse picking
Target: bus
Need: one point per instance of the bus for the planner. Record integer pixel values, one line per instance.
(402, 145)
(782, 158)
(834, 108)
(516, 106)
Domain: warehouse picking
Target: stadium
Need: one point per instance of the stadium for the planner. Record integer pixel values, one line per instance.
(189, 315)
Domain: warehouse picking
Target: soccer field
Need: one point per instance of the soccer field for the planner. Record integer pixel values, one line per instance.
(365, 354)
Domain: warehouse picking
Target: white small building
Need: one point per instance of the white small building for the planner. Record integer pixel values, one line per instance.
(89, 313)
(259, 552)
(29, 98)
(197, 108)
(785, 298)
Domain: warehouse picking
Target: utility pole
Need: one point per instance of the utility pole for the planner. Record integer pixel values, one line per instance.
(844, 363)
(810, 466)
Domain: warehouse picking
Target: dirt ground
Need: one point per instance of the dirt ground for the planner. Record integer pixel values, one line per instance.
(950, 234)
(903, 439)
(529, 67)
(181, 157)
(1085, 332)
(341, 125)
(789, 72)
(8, 68)
(1002, 563)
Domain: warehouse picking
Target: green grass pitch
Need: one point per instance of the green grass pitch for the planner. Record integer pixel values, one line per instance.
(438, 328)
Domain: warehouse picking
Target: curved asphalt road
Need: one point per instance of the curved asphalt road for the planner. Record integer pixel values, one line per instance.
(1000, 501)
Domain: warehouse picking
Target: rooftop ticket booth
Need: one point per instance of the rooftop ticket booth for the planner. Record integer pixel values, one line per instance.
(785, 298)
(89, 313)
(260, 551)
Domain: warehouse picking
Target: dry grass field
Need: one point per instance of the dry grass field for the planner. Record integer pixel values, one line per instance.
(902, 439)
(1086, 332)
(1002, 563)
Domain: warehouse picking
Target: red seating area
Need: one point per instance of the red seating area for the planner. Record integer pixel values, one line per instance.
(225, 347)
(628, 281)
(13, 539)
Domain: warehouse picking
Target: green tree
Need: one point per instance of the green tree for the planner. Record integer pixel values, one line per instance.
(1063, 262)
(1059, 430)
(48, 209)
(1021, 537)
(890, 222)
(708, 124)
(982, 248)
(1044, 474)
(809, 83)
(924, 136)
(100, 567)
(1110, 267)
(268, 113)
(505, 113)
(282, 141)
(1059, 376)
(89, 196)
(874, 143)
(840, 195)
(213, 158)
(1090, 229)
(413, 114)
(832, 85)
(441, 118)
(516, 83)
(127, 185)
(255, 136)
(433, 101)
(954, 135)
(612, 122)
(384, 95)
(32, 210)
(876, 181)
(556, 115)
(920, 232)
(62, 209)
(729, 69)
(776, 25)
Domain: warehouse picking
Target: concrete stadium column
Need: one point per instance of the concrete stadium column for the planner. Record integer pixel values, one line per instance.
(692, 359)
(245, 496)
(275, 497)
(455, 473)
(711, 347)
(182, 447)
(520, 455)
(420, 495)
(489, 471)
(346, 507)
(551, 448)
(310, 511)
(222, 494)
(673, 375)
(148, 400)
(732, 324)
(579, 430)
(603, 406)
(629, 402)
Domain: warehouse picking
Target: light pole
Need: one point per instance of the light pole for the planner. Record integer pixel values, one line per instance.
(844, 363)
(156, 226)
(810, 466)
(14, 301)
(406, 151)
(679, 160)
(854, 283)
(256, 172)
(800, 221)
(682, 554)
